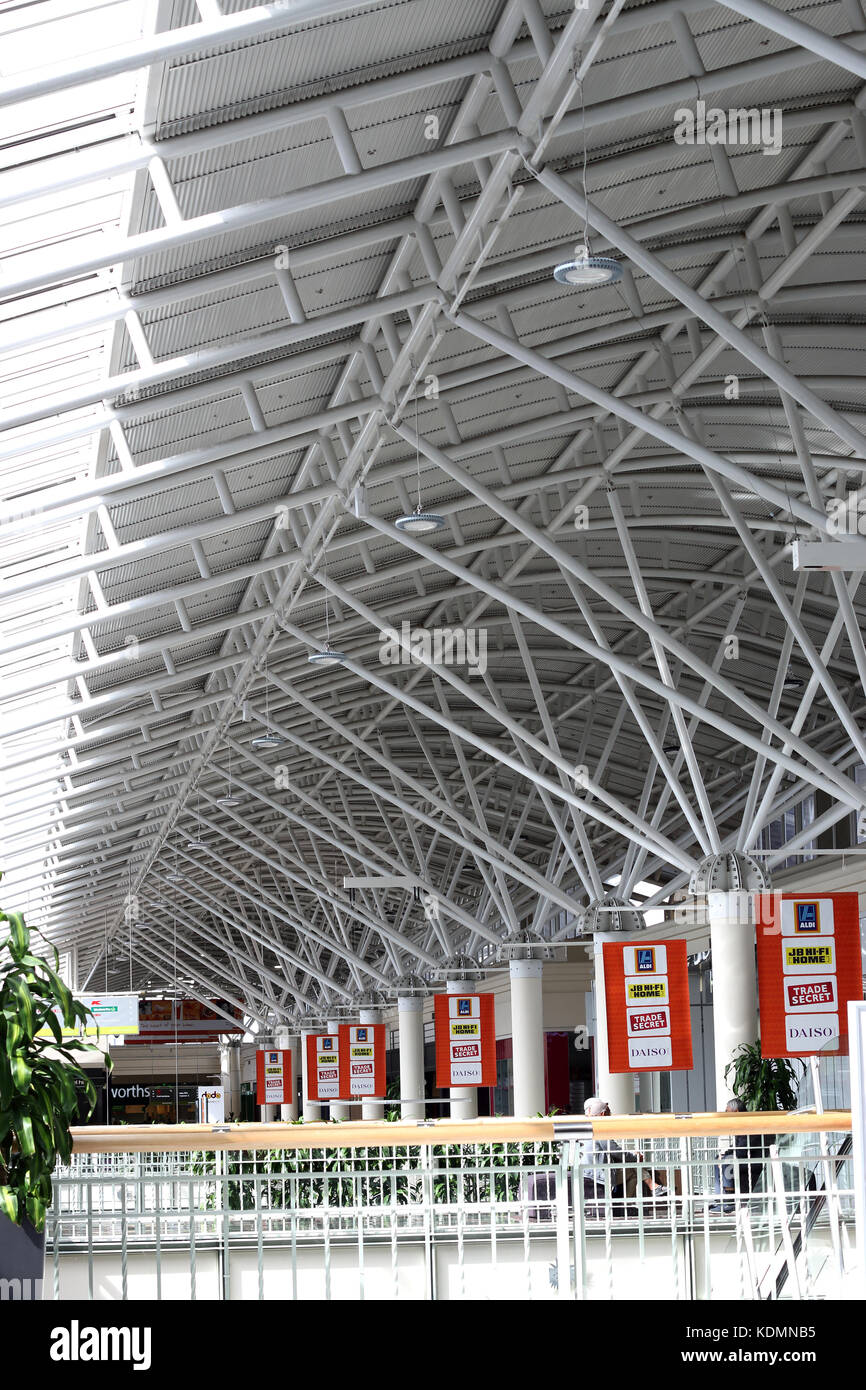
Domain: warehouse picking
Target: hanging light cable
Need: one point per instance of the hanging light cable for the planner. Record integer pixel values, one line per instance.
(419, 522)
(197, 842)
(269, 739)
(230, 798)
(327, 656)
(586, 270)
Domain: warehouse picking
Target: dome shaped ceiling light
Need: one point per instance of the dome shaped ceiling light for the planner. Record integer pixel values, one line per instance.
(230, 797)
(586, 271)
(268, 739)
(419, 522)
(327, 656)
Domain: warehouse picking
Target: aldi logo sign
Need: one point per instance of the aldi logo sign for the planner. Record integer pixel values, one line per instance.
(465, 1040)
(323, 1081)
(808, 917)
(274, 1077)
(809, 967)
(362, 1061)
(646, 992)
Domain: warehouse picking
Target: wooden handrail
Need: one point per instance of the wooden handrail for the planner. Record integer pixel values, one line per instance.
(500, 1130)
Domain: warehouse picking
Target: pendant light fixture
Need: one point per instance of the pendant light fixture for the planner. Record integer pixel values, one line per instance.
(197, 843)
(269, 739)
(419, 522)
(586, 271)
(230, 799)
(328, 656)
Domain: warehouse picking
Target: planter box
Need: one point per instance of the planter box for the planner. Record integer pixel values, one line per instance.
(22, 1257)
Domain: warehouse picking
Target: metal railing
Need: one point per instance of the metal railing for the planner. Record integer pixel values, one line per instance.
(486, 1209)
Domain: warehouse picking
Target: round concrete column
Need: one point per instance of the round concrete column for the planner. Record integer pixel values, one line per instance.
(267, 1114)
(410, 1017)
(372, 1109)
(311, 1109)
(617, 1089)
(338, 1109)
(527, 1037)
(464, 1099)
(289, 1109)
(728, 880)
(230, 1067)
(735, 1001)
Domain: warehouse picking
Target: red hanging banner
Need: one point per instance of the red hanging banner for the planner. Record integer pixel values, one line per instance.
(646, 992)
(362, 1060)
(323, 1067)
(465, 1040)
(809, 967)
(274, 1077)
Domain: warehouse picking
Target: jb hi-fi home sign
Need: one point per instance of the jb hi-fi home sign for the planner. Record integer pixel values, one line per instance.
(809, 967)
(646, 991)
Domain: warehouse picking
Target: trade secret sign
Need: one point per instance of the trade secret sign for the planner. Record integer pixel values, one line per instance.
(323, 1066)
(465, 1040)
(274, 1076)
(362, 1060)
(809, 967)
(646, 991)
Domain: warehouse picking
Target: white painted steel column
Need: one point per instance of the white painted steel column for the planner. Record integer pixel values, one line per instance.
(527, 1037)
(372, 1109)
(289, 1110)
(230, 1077)
(618, 1089)
(338, 1109)
(735, 995)
(311, 1110)
(267, 1113)
(410, 1017)
(226, 1078)
(645, 1092)
(464, 1099)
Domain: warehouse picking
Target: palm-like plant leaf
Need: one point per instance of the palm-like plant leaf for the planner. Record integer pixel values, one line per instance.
(38, 1074)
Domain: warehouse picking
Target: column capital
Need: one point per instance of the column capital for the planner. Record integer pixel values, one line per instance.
(526, 969)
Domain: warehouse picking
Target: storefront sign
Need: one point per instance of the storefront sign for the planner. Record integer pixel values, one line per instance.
(362, 1060)
(111, 1015)
(161, 1020)
(152, 1102)
(211, 1105)
(274, 1077)
(465, 1039)
(809, 967)
(646, 991)
(323, 1066)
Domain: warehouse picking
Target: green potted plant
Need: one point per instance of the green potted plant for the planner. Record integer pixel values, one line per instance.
(38, 1099)
(763, 1083)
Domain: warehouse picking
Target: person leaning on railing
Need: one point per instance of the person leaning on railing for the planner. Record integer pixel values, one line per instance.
(744, 1153)
(607, 1153)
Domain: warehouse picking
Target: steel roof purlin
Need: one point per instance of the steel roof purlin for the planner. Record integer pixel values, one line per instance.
(291, 279)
